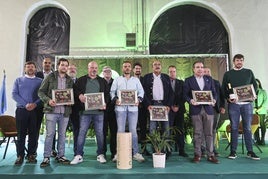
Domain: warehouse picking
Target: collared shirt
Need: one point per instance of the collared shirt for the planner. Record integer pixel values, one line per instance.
(46, 74)
(122, 83)
(61, 85)
(200, 82)
(158, 90)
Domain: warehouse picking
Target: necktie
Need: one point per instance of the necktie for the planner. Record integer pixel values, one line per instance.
(173, 85)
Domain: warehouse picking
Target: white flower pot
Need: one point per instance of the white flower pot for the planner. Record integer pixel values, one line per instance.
(159, 160)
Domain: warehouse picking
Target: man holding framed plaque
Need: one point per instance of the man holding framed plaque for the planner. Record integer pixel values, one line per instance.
(127, 91)
(233, 81)
(57, 109)
(199, 91)
(87, 89)
(158, 92)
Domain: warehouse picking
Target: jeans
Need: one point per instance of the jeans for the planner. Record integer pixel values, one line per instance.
(51, 121)
(85, 121)
(246, 112)
(132, 116)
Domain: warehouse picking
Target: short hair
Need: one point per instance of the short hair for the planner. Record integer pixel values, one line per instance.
(30, 63)
(172, 66)
(127, 62)
(197, 62)
(106, 68)
(137, 64)
(238, 56)
(62, 60)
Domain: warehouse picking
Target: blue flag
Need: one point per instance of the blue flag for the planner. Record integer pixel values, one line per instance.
(3, 97)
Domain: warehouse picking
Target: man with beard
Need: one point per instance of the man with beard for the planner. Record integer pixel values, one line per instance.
(130, 112)
(142, 117)
(158, 92)
(236, 77)
(90, 83)
(55, 114)
(25, 94)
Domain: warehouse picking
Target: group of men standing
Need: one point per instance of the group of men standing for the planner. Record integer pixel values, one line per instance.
(154, 89)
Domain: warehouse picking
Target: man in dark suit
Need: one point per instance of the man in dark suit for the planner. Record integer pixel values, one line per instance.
(157, 92)
(218, 108)
(202, 115)
(176, 114)
(74, 116)
(47, 69)
(142, 116)
(109, 117)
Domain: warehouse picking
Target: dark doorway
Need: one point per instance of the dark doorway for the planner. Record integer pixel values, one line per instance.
(49, 35)
(188, 29)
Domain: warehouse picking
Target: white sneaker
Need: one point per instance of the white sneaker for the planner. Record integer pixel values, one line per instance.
(115, 158)
(101, 158)
(138, 157)
(77, 159)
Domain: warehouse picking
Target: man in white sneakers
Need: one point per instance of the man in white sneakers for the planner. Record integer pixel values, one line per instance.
(90, 83)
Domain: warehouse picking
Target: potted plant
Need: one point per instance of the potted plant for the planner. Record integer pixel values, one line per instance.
(161, 143)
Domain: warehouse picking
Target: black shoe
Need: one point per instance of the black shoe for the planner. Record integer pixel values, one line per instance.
(31, 159)
(232, 155)
(183, 154)
(252, 155)
(168, 154)
(45, 162)
(62, 160)
(19, 161)
(54, 153)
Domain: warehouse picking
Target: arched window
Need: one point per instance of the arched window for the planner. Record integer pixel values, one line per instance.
(49, 35)
(188, 29)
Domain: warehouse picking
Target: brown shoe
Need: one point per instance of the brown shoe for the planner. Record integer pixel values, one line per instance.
(213, 159)
(31, 159)
(19, 161)
(196, 159)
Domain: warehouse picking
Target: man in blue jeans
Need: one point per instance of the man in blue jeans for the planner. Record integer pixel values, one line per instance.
(90, 83)
(130, 112)
(56, 114)
(236, 77)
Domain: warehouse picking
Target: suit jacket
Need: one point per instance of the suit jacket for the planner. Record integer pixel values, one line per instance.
(220, 102)
(40, 74)
(148, 89)
(178, 99)
(191, 84)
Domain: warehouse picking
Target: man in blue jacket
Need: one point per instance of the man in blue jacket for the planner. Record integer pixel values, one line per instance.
(202, 115)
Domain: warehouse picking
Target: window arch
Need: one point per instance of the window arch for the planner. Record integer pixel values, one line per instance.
(188, 29)
(49, 35)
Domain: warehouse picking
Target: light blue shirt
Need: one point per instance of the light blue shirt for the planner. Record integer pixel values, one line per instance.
(122, 83)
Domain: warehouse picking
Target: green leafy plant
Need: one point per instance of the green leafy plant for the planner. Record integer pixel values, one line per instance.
(162, 141)
(188, 125)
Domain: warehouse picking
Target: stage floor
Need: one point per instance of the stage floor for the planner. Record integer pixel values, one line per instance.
(176, 166)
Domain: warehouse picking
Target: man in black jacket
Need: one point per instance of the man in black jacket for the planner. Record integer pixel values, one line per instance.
(90, 83)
